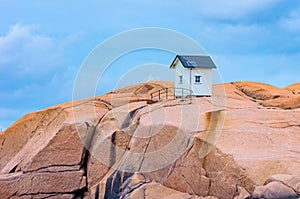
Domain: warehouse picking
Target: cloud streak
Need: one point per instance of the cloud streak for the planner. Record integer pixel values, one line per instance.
(230, 10)
(292, 21)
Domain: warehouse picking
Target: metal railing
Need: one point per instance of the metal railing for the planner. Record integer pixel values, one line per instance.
(164, 93)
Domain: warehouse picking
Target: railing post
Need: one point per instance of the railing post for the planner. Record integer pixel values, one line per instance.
(159, 95)
(166, 93)
(174, 93)
(182, 93)
(190, 96)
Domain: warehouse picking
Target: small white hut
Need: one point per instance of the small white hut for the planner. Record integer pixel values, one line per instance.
(193, 73)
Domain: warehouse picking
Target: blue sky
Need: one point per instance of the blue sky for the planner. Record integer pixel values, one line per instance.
(43, 43)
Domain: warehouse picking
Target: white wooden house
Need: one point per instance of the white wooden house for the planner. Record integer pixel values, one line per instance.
(193, 73)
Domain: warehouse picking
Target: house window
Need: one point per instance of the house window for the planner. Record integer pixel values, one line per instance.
(180, 79)
(197, 79)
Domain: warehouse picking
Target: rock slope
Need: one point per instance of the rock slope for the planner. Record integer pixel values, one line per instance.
(125, 145)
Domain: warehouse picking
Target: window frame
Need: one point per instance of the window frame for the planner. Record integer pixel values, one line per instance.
(180, 79)
(195, 79)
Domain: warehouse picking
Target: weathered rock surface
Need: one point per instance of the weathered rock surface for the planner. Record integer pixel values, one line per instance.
(270, 96)
(156, 190)
(288, 180)
(295, 88)
(242, 193)
(263, 140)
(124, 145)
(43, 182)
(274, 190)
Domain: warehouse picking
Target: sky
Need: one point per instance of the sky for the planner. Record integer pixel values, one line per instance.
(44, 43)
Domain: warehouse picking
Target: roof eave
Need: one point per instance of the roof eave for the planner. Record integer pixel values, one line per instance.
(173, 63)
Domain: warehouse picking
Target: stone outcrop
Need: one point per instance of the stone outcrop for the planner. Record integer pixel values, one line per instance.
(288, 180)
(295, 88)
(270, 96)
(126, 145)
(273, 190)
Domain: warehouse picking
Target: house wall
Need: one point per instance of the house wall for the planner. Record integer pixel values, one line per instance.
(199, 89)
(180, 70)
(204, 88)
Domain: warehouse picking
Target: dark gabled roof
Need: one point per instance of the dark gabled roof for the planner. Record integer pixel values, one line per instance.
(195, 61)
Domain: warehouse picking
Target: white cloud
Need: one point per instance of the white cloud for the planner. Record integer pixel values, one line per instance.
(31, 59)
(24, 51)
(291, 22)
(35, 71)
